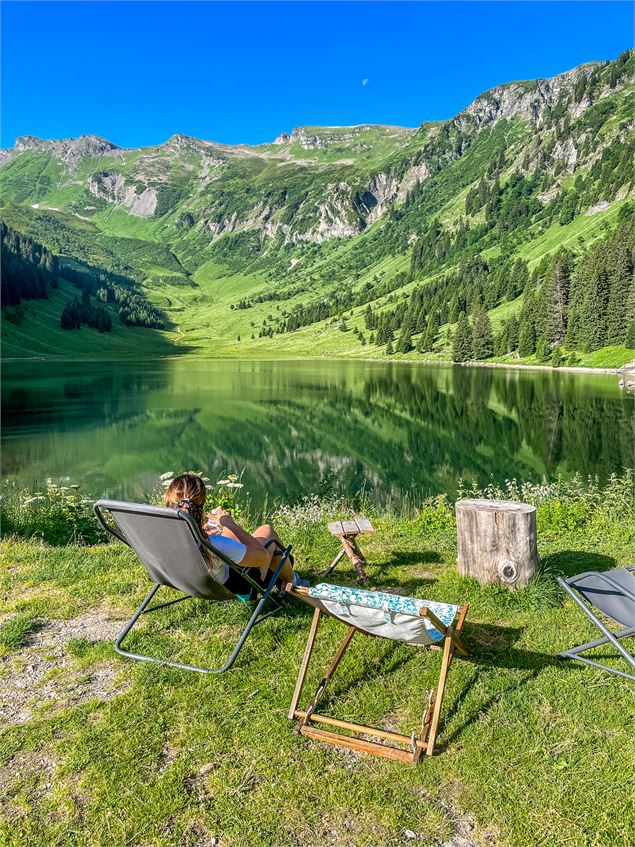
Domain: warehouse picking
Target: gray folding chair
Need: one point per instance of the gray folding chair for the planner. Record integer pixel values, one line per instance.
(170, 545)
(613, 594)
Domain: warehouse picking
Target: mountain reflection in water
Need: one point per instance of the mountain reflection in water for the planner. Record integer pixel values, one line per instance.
(394, 429)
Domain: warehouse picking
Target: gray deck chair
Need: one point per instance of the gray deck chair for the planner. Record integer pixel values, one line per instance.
(613, 594)
(169, 543)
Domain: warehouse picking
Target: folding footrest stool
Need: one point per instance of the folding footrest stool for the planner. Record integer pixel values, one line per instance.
(417, 622)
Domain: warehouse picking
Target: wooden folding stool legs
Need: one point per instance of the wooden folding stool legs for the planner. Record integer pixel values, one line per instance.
(414, 745)
(347, 532)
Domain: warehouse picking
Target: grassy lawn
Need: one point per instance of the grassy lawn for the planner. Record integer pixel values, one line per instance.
(97, 750)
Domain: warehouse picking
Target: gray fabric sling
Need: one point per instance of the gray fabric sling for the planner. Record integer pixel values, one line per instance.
(613, 594)
(170, 545)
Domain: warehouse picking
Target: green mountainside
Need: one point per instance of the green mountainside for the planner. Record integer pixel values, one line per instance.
(498, 234)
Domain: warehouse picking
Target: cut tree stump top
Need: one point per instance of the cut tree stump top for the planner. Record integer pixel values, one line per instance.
(495, 506)
(352, 527)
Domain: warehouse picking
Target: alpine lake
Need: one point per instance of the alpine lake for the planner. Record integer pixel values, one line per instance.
(402, 432)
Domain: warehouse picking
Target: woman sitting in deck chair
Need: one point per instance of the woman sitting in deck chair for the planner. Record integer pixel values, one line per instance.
(260, 550)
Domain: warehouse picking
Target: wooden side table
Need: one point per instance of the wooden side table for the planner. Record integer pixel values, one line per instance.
(347, 532)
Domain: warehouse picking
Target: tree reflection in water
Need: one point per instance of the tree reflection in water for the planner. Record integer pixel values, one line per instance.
(395, 429)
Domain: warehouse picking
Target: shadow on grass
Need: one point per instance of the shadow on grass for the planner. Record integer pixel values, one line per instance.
(491, 646)
(403, 558)
(571, 562)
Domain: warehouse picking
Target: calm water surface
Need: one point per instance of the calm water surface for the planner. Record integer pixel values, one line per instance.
(394, 429)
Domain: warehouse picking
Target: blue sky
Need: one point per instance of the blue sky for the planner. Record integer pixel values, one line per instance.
(137, 73)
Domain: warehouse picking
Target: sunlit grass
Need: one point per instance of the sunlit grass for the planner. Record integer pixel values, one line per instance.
(528, 749)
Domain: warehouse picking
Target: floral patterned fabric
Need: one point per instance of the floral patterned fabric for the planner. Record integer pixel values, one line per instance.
(396, 611)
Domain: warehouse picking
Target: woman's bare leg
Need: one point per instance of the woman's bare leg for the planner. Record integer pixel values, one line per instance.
(266, 533)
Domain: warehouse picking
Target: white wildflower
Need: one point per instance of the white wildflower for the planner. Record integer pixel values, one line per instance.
(30, 500)
(232, 477)
(167, 475)
(223, 482)
(235, 485)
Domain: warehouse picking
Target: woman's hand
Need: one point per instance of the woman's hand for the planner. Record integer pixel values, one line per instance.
(222, 518)
(218, 513)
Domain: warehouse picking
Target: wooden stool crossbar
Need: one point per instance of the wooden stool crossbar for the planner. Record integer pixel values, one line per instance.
(347, 532)
(403, 748)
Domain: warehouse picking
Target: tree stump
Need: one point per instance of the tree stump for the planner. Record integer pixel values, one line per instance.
(497, 541)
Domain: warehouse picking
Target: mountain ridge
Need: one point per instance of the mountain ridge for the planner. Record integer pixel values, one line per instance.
(337, 214)
(542, 84)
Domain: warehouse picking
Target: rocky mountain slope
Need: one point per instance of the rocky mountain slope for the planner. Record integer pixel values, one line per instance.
(325, 209)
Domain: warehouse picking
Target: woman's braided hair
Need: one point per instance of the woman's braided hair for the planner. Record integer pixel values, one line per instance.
(188, 492)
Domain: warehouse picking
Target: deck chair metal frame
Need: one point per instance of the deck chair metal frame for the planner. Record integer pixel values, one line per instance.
(604, 591)
(414, 744)
(203, 586)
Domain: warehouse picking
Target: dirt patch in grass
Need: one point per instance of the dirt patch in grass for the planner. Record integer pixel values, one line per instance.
(36, 766)
(463, 826)
(30, 676)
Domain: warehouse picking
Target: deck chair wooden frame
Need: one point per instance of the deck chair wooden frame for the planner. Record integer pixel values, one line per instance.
(402, 748)
(191, 575)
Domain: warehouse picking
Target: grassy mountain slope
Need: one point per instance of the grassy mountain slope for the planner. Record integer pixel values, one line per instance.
(37, 334)
(337, 216)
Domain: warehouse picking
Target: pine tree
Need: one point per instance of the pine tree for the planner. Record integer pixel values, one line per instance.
(404, 343)
(369, 318)
(555, 297)
(482, 338)
(426, 339)
(621, 303)
(462, 344)
(501, 347)
(517, 279)
(556, 357)
(511, 327)
(66, 319)
(542, 349)
(526, 339)
(389, 350)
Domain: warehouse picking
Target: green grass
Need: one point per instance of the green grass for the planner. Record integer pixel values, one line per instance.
(14, 633)
(529, 747)
(38, 334)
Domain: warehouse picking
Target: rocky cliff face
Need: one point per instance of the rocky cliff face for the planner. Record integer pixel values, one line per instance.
(112, 188)
(70, 151)
(527, 99)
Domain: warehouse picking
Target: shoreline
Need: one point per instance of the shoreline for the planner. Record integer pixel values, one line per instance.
(382, 359)
(521, 367)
